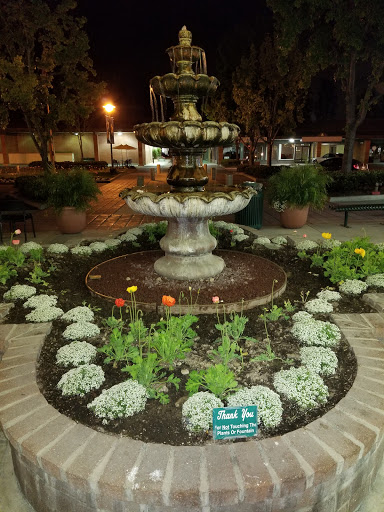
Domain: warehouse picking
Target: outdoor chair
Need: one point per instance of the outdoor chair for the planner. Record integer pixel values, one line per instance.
(14, 211)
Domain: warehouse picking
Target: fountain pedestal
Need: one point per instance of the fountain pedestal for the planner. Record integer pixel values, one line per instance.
(188, 246)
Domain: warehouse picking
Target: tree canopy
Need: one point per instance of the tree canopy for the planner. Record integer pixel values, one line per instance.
(345, 35)
(45, 71)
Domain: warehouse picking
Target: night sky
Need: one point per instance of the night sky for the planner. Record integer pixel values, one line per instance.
(128, 42)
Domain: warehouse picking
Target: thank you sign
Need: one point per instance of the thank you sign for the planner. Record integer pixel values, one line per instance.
(230, 422)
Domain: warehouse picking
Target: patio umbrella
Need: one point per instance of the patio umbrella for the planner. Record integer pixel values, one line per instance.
(125, 147)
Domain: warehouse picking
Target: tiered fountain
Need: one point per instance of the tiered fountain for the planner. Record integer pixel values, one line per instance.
(188, 203)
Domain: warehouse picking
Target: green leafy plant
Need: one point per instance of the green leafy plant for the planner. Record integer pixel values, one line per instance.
(147, 371)
(6, 272)
(218, 379)
(76, 188)
(119, 348)
(354, 259)
(299, 186)
(37, 275)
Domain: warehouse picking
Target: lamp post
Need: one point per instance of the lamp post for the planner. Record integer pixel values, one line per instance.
(109, 108)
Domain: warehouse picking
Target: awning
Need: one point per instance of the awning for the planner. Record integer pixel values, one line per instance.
(323, 138)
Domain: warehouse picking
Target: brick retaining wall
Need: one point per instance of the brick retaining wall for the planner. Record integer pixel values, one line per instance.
(327, 466)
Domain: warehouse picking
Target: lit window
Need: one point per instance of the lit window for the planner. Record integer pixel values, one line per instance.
(286, 151)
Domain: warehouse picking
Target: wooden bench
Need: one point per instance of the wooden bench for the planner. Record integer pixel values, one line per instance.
(348, 204)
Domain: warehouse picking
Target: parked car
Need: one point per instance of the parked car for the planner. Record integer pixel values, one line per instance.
(335, 163)
(320, 159)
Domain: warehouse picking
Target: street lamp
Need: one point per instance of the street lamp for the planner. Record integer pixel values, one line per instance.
(109, 108)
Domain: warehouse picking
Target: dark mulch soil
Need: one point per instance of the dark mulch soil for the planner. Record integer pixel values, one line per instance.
(163, 423)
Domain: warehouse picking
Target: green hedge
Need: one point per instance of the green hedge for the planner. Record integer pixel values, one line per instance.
(355, 182)
(32, 187)
(260, 171)
(228, 162)
(100, 164)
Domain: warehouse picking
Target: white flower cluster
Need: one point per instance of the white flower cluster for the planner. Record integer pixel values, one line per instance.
(353, 287)
(302, 386)
(306, 245)
(57, 249)
(302, 316)
(316, 332)
(380, 246)
(128, 237)
(220, 224)
(76, 354)
(28, 246)
(269, 408)
(330, 243)
(112, 242)
(44, 314)
(329, 295)
(81, 250)
(81, 330)
(279, 206)
(375, 280)
(197, 411)
(261, 240)
(120, 401)
(19, 291)
(239, 238)
(79, 314)
(319, 360)
(318, 306)
(98, 247)
(81, 380)
(139, 231)
(3, 247)
(279, 240)
(41, 301)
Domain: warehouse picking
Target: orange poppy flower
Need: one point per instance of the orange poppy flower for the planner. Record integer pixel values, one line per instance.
(169, 301)
(119, 303)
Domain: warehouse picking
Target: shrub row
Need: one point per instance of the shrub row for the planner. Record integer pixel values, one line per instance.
(355, 181)
(100, 164)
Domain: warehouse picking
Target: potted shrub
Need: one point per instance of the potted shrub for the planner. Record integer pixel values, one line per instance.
(294, 189)
(70, 193)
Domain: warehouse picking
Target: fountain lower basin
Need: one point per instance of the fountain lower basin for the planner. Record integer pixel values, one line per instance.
(188, 243)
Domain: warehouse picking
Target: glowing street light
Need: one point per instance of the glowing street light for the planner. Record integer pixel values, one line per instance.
(109, 108)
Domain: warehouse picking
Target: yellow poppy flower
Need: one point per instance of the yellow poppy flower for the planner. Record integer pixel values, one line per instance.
(327, 236)
(132, 289)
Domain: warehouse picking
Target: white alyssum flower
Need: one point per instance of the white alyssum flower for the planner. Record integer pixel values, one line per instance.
(3, 247)
(306, 245)
(279, 240)
(220, 224)
(279, 206)
(302, 316)
(329, 243)
(318, 306)
(112, 242)
(319, 360)
(128, 237)
(28, 246)
(120, 401)
(80, 330)
(81, 380)
(197, 411)
(57, 249)
(329, 295)
(98, 246)
(41, 301)
(81, 250)
(19, 291)
(79, 314)
(138, 230)
(261, 240)
(380, 246)
(76, 354)
(375, 280)
(44, 314)
(316, 332)
(353, 287)
(240, 238)
(302, 386)
(269, 408)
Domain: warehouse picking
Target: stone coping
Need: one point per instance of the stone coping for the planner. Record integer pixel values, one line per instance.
(327, 466)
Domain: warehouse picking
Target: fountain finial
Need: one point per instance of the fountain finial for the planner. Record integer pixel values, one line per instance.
(185, 36)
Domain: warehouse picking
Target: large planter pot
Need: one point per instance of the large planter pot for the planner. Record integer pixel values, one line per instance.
(71, 220)
(294, 217)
